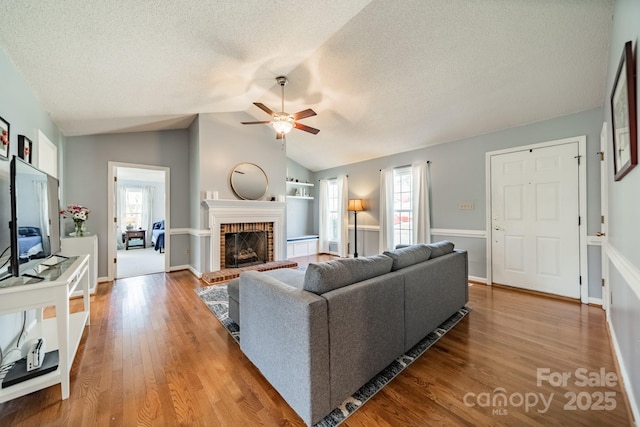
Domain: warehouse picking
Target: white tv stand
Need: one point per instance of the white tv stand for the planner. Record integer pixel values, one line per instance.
(62, 332)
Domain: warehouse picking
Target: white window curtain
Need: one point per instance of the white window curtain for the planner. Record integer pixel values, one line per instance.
(386, 210)
(121, 205)
(343, 215)
(323, 232)
(147, 210)
(420, 199)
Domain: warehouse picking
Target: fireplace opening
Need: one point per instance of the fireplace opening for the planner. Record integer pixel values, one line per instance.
(245, 248)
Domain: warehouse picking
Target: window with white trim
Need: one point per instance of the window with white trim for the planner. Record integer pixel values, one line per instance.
(332, 209)
(402, 206)
(133, 207)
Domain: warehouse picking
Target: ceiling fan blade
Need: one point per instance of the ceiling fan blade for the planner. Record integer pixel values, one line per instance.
(264, 108)
(256, 123)
(279, 135)
(304, 114)
(306, 128)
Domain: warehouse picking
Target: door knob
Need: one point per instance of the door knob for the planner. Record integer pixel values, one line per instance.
(600, 234)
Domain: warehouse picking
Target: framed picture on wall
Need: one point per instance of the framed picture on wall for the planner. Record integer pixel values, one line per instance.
(623, 116)
(5, 128)
(25, 148)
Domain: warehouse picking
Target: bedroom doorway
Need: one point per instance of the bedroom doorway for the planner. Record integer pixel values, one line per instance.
(139, 201)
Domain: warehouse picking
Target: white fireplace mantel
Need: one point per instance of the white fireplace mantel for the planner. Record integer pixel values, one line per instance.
(245, 211)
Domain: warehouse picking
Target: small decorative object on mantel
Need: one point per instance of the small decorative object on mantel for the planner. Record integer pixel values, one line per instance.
(5, 129)
(623, 116)
(79, 214)
(25, 148)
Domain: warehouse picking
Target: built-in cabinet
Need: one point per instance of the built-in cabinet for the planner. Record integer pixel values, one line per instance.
(299, 190)
(74, 246)
(302, 246)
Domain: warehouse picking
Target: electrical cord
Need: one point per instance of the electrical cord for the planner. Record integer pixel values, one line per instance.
(24, 324)
(8, 259)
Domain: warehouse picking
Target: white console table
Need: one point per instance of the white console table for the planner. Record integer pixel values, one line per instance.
(62, 332)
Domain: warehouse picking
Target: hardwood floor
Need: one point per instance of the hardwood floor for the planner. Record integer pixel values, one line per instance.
(155, 355)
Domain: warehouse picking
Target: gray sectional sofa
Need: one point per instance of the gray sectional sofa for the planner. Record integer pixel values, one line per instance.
(320, 335)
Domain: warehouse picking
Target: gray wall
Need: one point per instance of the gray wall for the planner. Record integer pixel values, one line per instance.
(86, 175)
(457, 173)
(221, 143)
(21, 108)
(300, 211)
(624, 212)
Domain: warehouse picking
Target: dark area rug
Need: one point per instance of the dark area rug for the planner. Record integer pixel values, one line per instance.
(216, 298)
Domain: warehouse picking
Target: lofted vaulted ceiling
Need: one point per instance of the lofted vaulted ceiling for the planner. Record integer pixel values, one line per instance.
(384, 76)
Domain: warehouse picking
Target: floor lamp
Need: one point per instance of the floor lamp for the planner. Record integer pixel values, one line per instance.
(355, 206)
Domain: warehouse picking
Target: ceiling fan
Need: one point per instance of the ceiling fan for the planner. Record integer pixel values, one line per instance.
(283, 122)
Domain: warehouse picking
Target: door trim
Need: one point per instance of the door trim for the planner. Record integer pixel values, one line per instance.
(582, 205)
(111, 251)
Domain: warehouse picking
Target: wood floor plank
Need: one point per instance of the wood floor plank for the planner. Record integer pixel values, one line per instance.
(154, 355)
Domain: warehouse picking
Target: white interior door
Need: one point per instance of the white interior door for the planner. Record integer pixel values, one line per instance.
(535, 213)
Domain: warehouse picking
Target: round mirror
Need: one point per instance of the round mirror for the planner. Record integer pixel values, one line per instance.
(249, 182)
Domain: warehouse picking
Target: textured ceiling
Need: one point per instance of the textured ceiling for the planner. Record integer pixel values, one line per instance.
(383, 76)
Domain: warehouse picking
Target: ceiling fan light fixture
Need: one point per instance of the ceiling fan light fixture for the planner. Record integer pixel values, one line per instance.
(282, 123)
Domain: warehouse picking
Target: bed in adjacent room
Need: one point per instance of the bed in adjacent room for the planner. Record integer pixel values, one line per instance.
(157, 236)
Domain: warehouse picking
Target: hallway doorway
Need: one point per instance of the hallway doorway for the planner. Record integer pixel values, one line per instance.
(139, 200)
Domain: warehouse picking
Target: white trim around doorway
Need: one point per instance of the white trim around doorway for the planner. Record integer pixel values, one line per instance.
(111, 244)
(582, 195)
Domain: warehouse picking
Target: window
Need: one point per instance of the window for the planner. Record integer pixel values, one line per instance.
(133, 208)
(332, 209)
(402, 206)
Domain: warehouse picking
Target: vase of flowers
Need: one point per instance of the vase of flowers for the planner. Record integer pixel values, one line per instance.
(79, 214)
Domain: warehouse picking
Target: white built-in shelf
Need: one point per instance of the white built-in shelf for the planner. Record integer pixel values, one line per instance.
(300, 197)
(299, 190)
(304, 184)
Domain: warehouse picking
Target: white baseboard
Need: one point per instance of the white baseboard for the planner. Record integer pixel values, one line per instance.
(478, 279)
(626, 381)
(187, 267)
(595, 301)
(103, 279)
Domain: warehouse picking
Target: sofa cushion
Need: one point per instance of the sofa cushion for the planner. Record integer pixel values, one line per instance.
(409, 255)
(289, 276)
(327, 276)
(441, 248)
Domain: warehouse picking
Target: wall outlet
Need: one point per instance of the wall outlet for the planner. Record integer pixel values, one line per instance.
(465, 206)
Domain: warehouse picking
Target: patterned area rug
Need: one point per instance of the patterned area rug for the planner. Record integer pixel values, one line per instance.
(216, 298)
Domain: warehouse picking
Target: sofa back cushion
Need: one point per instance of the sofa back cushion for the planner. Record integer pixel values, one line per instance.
(441, 248)
(327, 276)
(408, 255)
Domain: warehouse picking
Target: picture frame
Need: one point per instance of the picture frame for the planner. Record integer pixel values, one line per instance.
(623, 116)
(5, 138)
(25, 148)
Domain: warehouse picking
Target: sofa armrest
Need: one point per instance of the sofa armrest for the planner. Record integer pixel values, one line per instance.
(284, 332)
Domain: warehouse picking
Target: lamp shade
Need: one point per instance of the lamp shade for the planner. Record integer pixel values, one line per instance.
(355, 205)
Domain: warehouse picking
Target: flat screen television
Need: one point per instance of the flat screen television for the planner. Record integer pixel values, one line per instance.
(35, 218)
